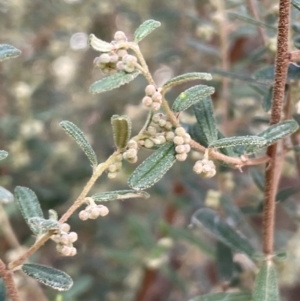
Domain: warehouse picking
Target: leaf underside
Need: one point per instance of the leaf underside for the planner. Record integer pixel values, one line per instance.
(119, 195)
(8, 51)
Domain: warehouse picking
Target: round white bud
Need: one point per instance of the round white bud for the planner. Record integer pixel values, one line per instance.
(180, 149)
(168, 125)
(122, 52)
(157, 97)
(181, 157)
(120, 36)
(65, 227)
(132, 160)
(112, 168)
(131, 153)
(83, 215)
(150, 90)
(113, 58)
(73, 236)
(151, 130)
(95, 212)
(132, 144)
(148, 143)
(161, 139)
(103, 210)
(112, 175)
(64, 239)
(66, 251)
(178, 140)
(162, 122)
(170, 136)
(155, 106)
(120, 65)
(186, 138)
(147, 101)
(180, 131)
(104, 58)
(187, 147)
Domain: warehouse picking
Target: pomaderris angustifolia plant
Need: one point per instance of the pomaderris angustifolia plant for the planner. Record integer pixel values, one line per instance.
(121, 60)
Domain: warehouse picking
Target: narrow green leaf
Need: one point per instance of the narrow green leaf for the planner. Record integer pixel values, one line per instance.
(8, 51)
(113, 81)
(5, 196)
(121, 126)
(266, 284)
(285, 193)
(191, 96)
(54, 278)
(44, 225)
(224, 262)
(2, 290)
(267, 100)
(119, 195)
(99, 45)
(80, 139)
(222, 230)
(144, 29)
(3, 154)
(296, 4)
(274, 133)
(204, 113)
(258, 178)
(240, 296)
(238, 140)
(29, 205)
(185, 78)
(153, 168)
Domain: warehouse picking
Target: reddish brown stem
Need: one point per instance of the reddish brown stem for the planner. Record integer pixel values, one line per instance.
(7, 277)
(277, 105)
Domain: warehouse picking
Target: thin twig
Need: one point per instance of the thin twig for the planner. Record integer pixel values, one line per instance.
(277, 104)
(7, 277)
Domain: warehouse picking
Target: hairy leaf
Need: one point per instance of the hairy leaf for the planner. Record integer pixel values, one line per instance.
(191, 96)
(3, 154)
(240, 296)
(119, 195)
(274, 133)
(185, 78)
(204, 113)
(5, 196)
(238, 140)
(44, 225)
(113, 81)
(8, 51)
(29, 205)
(99, 45)
(80, 139)
(144, 29)
(222, 231)
(266, 284)
(153, 168)
(121, 126)
(54, 278)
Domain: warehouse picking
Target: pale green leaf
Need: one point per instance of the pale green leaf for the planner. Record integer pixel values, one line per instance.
(191, 96)
(240, 296)
(3, 154)
(44, 225)
(153, 168)
(113, 81)
(144, 29)
(49, 276)
(80, 139)
(238, 140)
(99, 45)
(29, 205)
(274, 133)
(224, 232)
(121, 126)
(296, 4)
(119, 195)
(204, 113)
(185, 78)
(2, 290)
(8, 51)
(266, 284)
(5, 196)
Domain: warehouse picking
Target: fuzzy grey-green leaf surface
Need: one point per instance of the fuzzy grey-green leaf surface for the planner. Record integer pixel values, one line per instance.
(44, 225)
(185, 78)
(145, 29)
(3, 154)
(119, 195)
(236, 296)
(238, 140)
(207, 123)
(80, 139)
(153, 168)
(29, 205)
(121, 126)
(113, 81)
(5, 196)
(266, 284)
(8, 51)
(274, 133)
(191, 96)
(225, 233)
(49, 276)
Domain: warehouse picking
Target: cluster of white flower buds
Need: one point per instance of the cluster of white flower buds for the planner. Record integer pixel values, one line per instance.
(92, 210)
(181, 140)
(153, 98)
(131, 151)
(118, 59)
(205, 167)
(115, 167)
(65, 240)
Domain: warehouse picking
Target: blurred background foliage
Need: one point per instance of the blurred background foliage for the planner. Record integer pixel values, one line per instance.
(144, 249)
